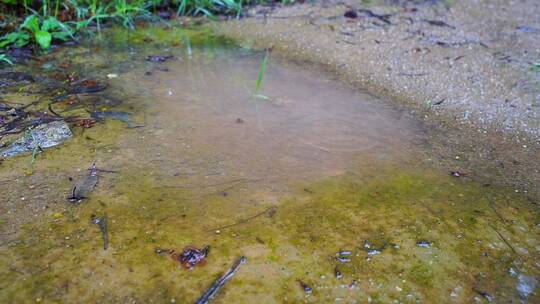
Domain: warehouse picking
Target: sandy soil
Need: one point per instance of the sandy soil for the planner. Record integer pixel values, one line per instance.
(463, 62)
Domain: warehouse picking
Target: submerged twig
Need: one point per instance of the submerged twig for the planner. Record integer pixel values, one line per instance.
(52, 111)
(382, 17)
(234, 181)
(270, 211)
(457, 43)
(102, 223)
(213, 290)
(437, 23)
(503, 238)
(107, 171)
(492, 206)
(413, 74)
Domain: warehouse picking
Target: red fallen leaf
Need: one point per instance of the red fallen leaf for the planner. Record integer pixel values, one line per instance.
(89, 83)
(85, 123)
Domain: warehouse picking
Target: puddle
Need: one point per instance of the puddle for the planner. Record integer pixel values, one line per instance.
(288, 182)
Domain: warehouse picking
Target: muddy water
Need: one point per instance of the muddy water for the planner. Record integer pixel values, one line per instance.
(288, 181)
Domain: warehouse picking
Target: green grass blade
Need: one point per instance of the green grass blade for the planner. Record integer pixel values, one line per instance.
(262, 71)
(4, 58)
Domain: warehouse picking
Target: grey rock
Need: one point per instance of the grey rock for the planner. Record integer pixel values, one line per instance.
(43, 136)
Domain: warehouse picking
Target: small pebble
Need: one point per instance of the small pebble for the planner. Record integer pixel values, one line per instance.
(343, 260)
(352, 14)
(338, 273)
(373, 252)
(423, 244)
(526, 285)
(307, 289)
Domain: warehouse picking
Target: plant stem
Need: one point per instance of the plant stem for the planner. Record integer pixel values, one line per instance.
(56, 7)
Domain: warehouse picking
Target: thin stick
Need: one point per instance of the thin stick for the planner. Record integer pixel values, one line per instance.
(213, 290)
(492, 206)
(503, 239)
(242, 221)
(52, 111)
(234, 181)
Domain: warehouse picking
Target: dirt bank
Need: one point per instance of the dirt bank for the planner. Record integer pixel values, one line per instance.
(468, 66)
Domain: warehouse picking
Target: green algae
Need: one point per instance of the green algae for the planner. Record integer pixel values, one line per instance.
(167, 36)
(299, 242)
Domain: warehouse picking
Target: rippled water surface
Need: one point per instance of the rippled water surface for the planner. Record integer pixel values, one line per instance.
(288, 181)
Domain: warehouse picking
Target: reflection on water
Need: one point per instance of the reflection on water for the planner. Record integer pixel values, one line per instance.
(319, 184)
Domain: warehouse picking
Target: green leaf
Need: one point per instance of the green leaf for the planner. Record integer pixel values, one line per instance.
(31, 23)
(58, 29)
(8, 39)
(44, 39)
(22, 39)
(61, 35)
(19, 39)
(51, 24)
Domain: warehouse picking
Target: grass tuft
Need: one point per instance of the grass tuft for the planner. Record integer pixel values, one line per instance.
(46, 21)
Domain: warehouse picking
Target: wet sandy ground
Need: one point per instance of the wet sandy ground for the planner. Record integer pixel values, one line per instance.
(471, 61)
(290, 181)
(466, 65)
